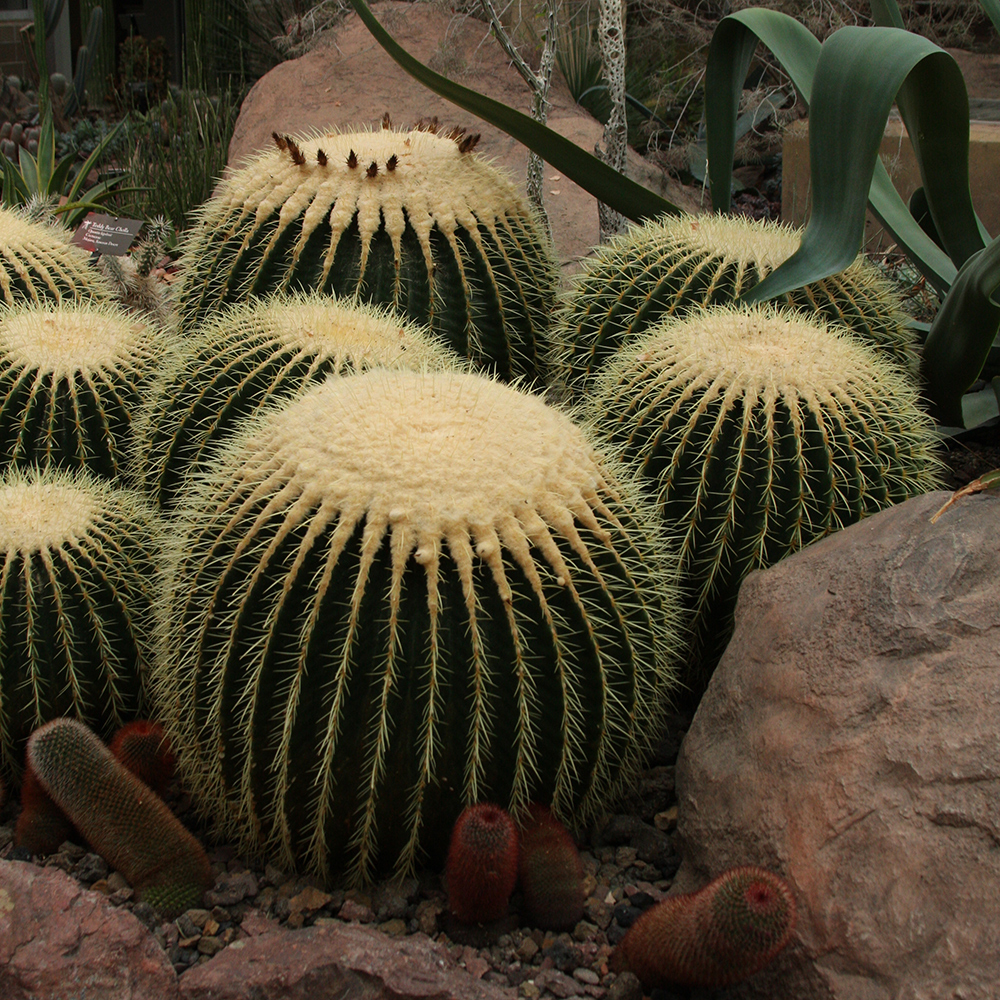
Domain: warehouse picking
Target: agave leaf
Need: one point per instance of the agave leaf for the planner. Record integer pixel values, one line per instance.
(29, 169)
(858, 74)
(46, 155)
(962, 335)
(992, 8)
(15, 191)
(606, 184)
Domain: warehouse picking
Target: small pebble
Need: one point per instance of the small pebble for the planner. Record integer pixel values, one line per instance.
(626, 986)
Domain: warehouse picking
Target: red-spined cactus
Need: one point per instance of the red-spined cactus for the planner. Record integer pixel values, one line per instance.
(121, 819)
(41, 825)
(550, 870)
(482, 864)
(717, 936)
(144, 749)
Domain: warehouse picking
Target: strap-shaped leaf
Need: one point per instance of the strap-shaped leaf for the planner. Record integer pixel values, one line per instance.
(29, 169)
(46, 155)
(607, 185)
(858, 74)
(962, 334)
(88, 164)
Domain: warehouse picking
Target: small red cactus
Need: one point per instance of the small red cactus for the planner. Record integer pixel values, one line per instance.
(482, 864)
(551, 871)
(41, 826)
(144, 749)
(717, 936)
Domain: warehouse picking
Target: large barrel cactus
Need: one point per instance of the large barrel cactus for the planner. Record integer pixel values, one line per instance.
(757, 431)
(38, 263)
(673, 264)
(265, 350)
(414, 220)
(73, 378)
(76, 605)
(399, 594)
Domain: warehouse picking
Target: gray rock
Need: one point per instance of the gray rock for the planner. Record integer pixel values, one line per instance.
(849, 741)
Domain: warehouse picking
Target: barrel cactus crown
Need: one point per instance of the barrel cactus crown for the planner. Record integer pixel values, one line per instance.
(265, 350)
(400, 594)
(76, 604)
(73, 378)
(38, 263)
(673, 264)
(757, 431)
(413, 220)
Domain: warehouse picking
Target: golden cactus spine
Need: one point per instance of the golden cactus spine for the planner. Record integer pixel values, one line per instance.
(400, 594)
(78, 561)
(669, 266)
(251, 353)
(412, 220)
(757, 431)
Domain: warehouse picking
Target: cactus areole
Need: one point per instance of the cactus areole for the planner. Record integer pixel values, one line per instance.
(413, 220)
(400, 594)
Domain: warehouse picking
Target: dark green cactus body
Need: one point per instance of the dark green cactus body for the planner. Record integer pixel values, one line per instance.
(39, 264)
(264, 351)
(757, 432)
(120, 817)
(669, 266)
(78, 561)
(409, 220)
(72, 380)
(401, 594)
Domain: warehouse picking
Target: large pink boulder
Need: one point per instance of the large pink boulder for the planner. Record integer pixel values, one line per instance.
(59, 941)
(850, 740)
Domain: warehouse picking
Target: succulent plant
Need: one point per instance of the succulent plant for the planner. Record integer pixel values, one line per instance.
(400, 594)
(715, 937)
(41, 825)
(39, 264)
(72, 379)
(757, 431)
(120, 817)
(551, 871)
(481, 868)
(412, 220)
(79, 560)
(671, 265)
(264, 351)
(143, 747)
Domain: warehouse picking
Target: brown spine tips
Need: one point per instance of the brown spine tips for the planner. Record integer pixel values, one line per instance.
(372, 169)
(352, 159)
(321, 157)
(298, 157)
(468, 143)
(455, 132)
(428, 125)
(391, 163)
(386, 121)
(279, 141)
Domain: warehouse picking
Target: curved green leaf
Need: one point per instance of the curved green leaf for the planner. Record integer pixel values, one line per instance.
(606, 184)
(962, 334)
(858, 74)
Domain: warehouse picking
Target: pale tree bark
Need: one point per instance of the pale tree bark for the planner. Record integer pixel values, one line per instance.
(538, 82)
(611, 37)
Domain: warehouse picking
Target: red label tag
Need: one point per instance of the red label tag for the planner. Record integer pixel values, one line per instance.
(106, 234)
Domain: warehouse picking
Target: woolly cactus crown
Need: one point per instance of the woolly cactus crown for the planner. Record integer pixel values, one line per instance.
(408, 219)
(758, 430)
(670, 265)
(78, 557)
(38, 263)
(72, 378)
(416, 591)
(266, 350)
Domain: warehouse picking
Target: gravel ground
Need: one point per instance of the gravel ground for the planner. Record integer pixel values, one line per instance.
(629, 863)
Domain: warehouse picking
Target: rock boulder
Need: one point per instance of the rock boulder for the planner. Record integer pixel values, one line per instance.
(850, 740)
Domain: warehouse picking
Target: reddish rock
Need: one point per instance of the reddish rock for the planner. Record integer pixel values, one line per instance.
(350, 82)
(849, 740)
(334, 960)
(59, 941)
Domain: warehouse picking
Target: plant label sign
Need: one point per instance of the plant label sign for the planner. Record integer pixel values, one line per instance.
(106, 234)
